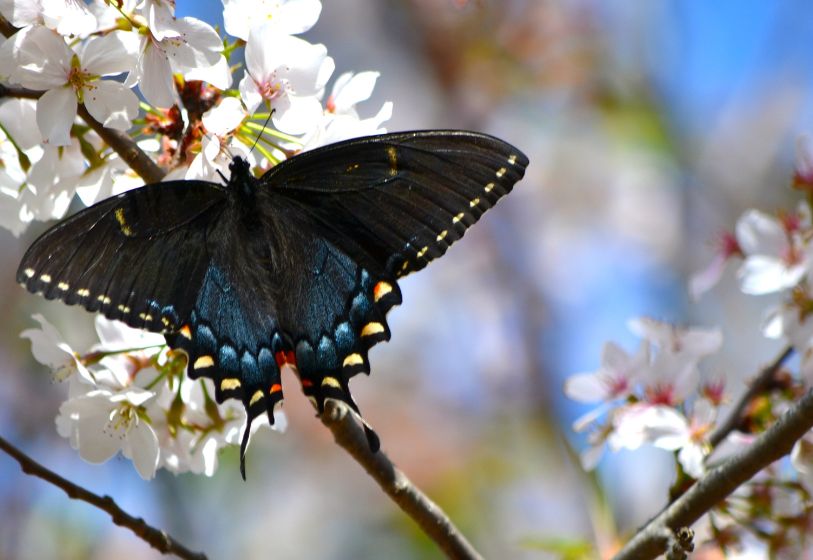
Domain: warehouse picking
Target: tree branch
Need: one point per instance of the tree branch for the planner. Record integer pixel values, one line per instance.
(119, 141)
(156, 538)
(759, 385)
(349, 434)
(773, 444)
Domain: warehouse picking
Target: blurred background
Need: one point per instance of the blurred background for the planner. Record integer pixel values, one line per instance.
(650, 126)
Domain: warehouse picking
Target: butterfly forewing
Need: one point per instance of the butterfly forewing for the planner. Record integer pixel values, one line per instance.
(137, 257)
(404, 197)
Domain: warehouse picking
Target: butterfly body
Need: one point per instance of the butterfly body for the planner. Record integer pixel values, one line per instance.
(297, 267)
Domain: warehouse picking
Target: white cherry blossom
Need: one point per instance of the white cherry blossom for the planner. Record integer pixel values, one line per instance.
(673, 375)
(615, 377)
(219, 148)
(68, 77)
(284, 17)
(704, 280)
(103, 422)
(186, 44)
(775, 257)
(52, 182)
(287, 73)
(49, 348)
(341, 119)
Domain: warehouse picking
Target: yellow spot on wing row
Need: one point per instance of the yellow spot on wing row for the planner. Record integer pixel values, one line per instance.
(489, 187)
(83, 292)
(257, 396)
(501, 171)
(331, 382)
(229, 384)
(512, 159)
(29, 272)
(422, 252)
(372, 328)
(46, 278)
(63, 286)
(458, 218)
(442, 235)
(474, 202)
(204, 362)
(353, 360)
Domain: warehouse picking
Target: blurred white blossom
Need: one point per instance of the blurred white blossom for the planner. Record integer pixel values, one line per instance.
(285, 17)
(775, 256)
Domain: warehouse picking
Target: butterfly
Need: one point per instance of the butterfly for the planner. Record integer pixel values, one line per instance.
(297, 267)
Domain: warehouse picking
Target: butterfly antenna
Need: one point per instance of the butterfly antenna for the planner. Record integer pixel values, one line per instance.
(271, 114)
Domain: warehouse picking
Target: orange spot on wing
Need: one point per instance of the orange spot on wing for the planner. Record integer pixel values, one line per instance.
(275, 388)
(306, 383)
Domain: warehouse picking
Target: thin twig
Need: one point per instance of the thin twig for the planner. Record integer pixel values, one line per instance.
(349, 434)
(119, 141)
(758, 386)
(126, 148)
(771, 445)
(156, 538)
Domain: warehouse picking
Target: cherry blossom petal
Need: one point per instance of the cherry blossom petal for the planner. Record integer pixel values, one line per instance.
(142, 447)
(761, 274)
(224, 118)
(111, 103)
(161, 18)
(110, 54)
(692, 458)
(56, 110)
(198, 45)
(43, 59)
(350, 90)
(704, 280)
(250, 93)
(21, 14)
(591, 456)
(759, 233)
(586, 387)
(19, 119)
(96, 442)
(49, 348)
(219, 75)
(155, 77)
(301, 115)
(117, 336)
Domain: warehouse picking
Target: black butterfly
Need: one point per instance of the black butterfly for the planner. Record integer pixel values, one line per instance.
(298, 267)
